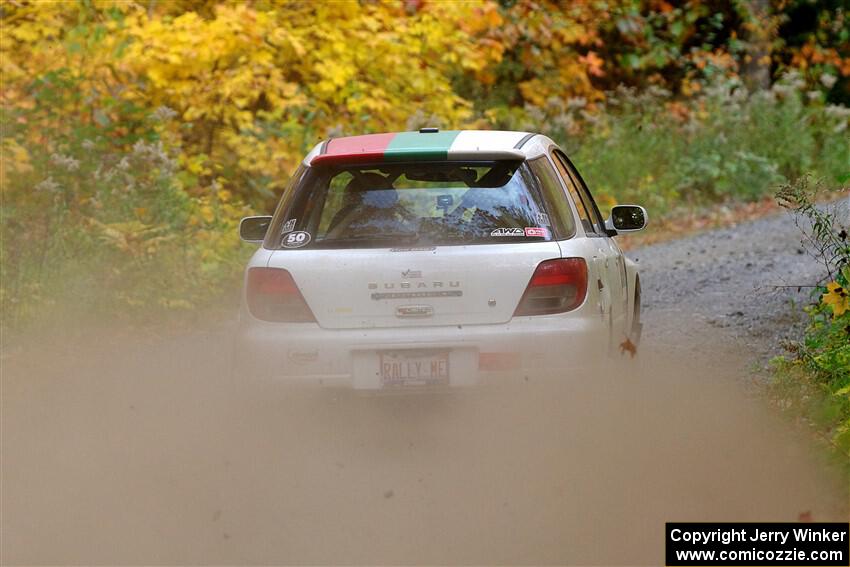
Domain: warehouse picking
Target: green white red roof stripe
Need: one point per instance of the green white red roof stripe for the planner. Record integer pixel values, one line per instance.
(416, 146)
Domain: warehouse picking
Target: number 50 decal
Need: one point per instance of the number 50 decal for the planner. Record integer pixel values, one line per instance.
(296, 239)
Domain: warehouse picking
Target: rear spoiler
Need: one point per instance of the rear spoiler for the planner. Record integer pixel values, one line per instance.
(426, 145)
(405, 155)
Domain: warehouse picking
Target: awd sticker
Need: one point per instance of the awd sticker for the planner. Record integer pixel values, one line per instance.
(296, 239)
(288, 226)
(508, 232)
(535, 231)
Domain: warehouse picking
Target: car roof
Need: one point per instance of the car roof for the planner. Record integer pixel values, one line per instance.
(428, 144)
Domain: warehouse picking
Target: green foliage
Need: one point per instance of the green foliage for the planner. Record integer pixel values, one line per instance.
(93, 226)
(815, 382)
(724, 143)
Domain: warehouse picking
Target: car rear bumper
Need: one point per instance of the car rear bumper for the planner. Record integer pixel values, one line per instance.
(308, 354)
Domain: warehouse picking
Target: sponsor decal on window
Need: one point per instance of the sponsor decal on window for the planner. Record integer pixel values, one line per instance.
(508, 232)
(296, 239)
(288, 226)
(535, 231)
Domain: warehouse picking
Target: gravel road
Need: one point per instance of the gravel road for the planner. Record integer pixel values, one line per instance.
(741, 279)
(118, 451)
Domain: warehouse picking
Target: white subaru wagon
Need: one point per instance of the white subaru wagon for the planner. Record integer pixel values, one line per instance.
(429, 259)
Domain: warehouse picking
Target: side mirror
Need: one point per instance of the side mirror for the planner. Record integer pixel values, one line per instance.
(627, 218)
(253, 229)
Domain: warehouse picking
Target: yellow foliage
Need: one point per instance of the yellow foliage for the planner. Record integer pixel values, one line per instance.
(318, 66)
(256, 85)
(135, 238)
(207, 213)
(541, 32)
(13, 158)
(837, 298)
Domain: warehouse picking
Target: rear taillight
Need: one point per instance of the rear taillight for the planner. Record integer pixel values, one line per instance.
(273, 296)
(556, 286)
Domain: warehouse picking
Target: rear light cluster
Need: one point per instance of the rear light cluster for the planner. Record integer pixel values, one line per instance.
(273, 296)
(556, 286)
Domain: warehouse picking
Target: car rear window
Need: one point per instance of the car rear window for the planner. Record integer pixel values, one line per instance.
(417, 204)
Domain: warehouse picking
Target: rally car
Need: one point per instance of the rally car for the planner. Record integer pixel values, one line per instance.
(435, 259)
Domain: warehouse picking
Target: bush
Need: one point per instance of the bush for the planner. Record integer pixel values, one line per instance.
(722, 144)
(103, 225)
(816, 379)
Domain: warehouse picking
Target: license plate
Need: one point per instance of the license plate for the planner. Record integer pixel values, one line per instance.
(414, 368)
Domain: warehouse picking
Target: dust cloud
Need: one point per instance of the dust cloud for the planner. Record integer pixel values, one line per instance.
(127, 450)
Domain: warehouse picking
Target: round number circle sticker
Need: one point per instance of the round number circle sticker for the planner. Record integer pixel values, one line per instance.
(296, 239)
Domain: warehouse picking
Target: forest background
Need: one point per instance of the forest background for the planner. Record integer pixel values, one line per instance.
(136, 134)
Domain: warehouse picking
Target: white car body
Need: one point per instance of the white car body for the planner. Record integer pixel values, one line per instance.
(381, 306)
